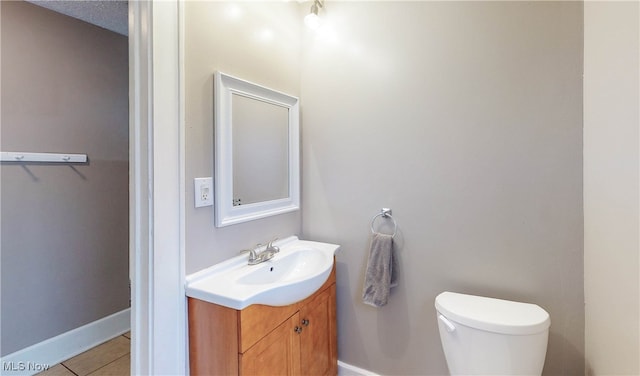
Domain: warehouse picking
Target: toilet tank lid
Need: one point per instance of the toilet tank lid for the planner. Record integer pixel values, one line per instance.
(493, 315)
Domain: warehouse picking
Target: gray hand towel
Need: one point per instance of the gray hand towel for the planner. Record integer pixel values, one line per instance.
(381, 272)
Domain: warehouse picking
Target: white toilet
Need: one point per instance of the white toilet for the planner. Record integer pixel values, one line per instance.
(486, 336)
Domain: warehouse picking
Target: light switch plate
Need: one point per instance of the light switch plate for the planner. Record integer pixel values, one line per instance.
(203, 192)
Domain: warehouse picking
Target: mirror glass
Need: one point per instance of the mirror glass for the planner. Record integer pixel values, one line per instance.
(256, 151)
(260, 135)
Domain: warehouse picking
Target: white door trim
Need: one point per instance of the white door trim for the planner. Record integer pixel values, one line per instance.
(156, 204)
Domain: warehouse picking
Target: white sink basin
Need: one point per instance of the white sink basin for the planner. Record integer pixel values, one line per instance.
(293, 274)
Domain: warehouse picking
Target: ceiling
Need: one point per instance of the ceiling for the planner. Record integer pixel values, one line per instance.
(109, 14)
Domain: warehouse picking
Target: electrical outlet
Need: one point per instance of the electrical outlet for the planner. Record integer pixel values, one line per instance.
(203, 192)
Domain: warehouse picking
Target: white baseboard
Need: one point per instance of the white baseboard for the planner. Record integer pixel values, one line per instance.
(345, 369)
(41, 356)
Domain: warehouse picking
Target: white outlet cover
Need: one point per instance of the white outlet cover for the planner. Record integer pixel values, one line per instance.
(203, 192)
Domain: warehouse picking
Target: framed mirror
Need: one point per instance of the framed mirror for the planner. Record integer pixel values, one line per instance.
(257, 151)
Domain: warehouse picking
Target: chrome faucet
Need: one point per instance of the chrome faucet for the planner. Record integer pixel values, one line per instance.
(257, 257)
(253, 255)
(271, 247)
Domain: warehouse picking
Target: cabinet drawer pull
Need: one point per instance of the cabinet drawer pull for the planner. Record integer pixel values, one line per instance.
(305, 322)
(297, 329)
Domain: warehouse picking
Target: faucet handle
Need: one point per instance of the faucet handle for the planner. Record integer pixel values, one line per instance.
(252, 254)
(271, 247)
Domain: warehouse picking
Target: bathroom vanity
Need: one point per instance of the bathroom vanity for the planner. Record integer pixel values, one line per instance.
(263, 339)
(276, 318)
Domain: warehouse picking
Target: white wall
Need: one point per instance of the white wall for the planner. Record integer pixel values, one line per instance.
(611, 189)
(466, 119)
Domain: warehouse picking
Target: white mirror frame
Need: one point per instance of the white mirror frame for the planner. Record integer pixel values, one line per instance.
(225, 213)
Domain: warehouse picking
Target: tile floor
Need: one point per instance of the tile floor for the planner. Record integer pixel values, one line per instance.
(109, 358)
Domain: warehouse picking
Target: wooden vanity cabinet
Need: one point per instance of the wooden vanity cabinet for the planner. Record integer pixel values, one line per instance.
(318, 350)
(278, 353)
(298, 339)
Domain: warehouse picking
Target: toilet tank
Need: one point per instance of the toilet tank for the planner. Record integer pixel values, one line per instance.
(487, 336)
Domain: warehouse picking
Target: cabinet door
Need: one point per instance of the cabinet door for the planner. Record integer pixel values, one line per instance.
(278, 353)
(318, 349)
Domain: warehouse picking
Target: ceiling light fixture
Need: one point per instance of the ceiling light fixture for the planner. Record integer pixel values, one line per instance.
(312, 20)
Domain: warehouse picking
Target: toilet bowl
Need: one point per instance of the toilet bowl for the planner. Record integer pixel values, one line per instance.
(486, 336)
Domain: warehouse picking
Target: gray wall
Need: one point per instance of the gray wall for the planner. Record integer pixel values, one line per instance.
(64, 228)
(465, 118)
(611, 187)
(258, 42)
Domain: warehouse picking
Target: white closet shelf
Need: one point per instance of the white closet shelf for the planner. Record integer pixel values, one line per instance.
(15, 156)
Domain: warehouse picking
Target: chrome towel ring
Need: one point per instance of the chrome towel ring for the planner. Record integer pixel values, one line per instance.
(385, 213)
